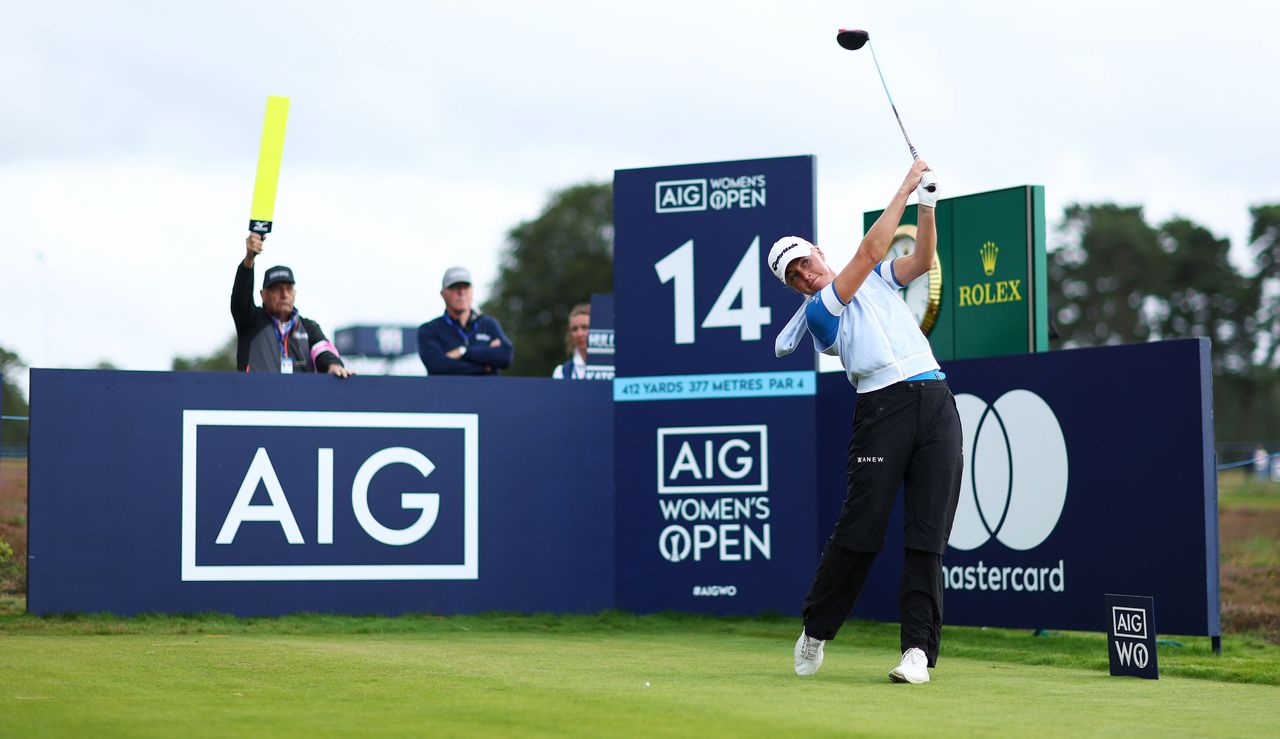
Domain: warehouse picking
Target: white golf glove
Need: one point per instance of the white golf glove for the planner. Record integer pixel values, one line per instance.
(927, 191)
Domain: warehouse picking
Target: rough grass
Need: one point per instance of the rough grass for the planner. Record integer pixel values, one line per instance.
(1249, 541)
(13, 525)
(1240, 489)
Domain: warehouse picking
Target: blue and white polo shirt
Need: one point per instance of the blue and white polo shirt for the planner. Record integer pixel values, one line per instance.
(874, 334)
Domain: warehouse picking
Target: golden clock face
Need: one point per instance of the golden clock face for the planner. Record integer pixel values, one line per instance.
(924, 295)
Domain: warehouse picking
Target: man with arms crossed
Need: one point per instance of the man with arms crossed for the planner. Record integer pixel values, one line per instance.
(462, 341)
(905, 428)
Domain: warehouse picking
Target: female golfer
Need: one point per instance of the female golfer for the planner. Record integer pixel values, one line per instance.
(905, 428)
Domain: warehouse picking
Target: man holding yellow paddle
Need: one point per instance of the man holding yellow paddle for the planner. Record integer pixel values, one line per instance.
(274, 337)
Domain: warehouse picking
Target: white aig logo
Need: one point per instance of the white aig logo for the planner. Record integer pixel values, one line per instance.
(290, 534)
(680, 196)
(713, 459)
(1015, 477)
(696, 460)
(1130, 627)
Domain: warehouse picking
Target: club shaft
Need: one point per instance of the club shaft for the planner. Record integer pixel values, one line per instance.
(914, 154)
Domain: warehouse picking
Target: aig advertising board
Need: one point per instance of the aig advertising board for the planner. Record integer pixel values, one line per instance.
(713, 434)
(1086, 472)
(265, 494)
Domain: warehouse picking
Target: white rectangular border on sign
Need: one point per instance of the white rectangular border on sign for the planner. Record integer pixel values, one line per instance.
(761, 487)
(1115, 612)
(657, 196)
(468, 423)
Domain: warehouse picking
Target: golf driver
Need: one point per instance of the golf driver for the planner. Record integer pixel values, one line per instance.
(853, 40)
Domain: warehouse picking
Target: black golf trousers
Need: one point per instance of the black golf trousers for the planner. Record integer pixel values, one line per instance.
(907, 433)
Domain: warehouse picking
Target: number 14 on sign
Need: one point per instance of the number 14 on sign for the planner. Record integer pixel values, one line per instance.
(743, 288)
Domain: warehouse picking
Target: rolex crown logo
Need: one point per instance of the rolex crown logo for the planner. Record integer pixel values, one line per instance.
(989, 251)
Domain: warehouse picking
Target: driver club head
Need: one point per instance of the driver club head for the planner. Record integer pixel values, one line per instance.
(852, 39)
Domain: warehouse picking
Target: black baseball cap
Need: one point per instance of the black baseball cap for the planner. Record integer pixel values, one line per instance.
(277, 274)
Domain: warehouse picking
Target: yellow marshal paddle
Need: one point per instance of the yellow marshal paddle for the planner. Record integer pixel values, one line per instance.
(264, 186)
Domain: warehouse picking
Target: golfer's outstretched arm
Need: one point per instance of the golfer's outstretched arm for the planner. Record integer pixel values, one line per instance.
(909, 267)
(876, 243)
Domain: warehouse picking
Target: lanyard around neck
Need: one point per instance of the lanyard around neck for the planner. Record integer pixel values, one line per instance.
(282, 333)
(467, 337)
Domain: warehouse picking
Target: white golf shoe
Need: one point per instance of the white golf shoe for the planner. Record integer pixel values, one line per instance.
(913, 669)
(808, 654)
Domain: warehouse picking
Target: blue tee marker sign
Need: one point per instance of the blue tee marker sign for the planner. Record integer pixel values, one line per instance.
(1131, 635)
(714, 435)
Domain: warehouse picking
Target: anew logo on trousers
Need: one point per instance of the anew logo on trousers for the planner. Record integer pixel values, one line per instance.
(1015, 476)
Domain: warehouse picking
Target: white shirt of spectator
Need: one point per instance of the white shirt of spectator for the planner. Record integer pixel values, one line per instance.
(579, 369)
(875, 335)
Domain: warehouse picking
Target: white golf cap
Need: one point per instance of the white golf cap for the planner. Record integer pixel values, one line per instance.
(785, 250)
(454, 275)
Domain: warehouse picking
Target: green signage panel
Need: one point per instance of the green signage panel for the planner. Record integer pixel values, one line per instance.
(987, 294)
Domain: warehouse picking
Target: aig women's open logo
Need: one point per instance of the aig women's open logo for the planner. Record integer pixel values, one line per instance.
(328, 495)
(1015, 477)
(718, 193)
(703, 462)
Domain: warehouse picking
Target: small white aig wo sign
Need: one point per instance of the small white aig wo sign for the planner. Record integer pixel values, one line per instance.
(1131, 635)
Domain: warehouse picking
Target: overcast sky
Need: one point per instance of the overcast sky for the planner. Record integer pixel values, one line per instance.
(419, 133)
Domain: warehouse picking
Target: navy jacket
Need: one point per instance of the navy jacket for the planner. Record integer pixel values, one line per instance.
(443, 334)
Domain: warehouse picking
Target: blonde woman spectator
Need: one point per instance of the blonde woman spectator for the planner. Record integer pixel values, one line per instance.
(575, 341)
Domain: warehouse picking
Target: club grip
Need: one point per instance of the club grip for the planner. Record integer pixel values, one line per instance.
(916, 156)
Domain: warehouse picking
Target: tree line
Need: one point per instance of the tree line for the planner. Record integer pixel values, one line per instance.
(1114, 278)
(1117, 279)
(12, 401)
